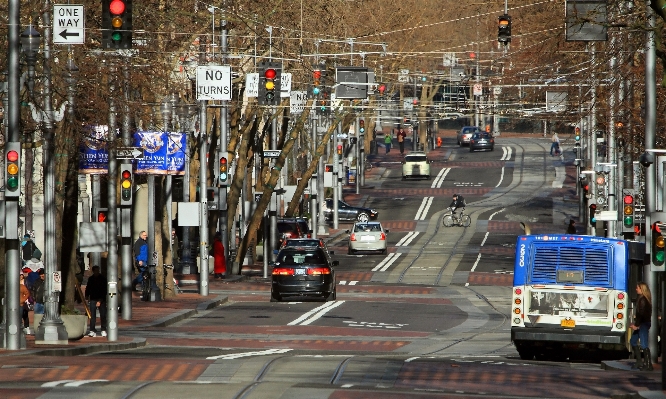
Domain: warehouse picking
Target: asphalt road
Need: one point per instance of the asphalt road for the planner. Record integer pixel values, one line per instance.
(429, 319)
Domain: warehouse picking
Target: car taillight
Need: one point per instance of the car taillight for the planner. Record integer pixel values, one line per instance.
(283, 271)
(317, 271)
(382, 236)
(352, 237)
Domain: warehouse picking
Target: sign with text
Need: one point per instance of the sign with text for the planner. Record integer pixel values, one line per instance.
(252, 85)
(297, 101)
(68, 24)
(285, 85)
(214, 82)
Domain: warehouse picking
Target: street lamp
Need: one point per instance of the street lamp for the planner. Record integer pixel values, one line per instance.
(30, 39)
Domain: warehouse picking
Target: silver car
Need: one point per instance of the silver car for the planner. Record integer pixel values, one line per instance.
(369, 236)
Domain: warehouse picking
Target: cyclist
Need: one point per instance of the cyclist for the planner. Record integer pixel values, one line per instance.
(458, 202)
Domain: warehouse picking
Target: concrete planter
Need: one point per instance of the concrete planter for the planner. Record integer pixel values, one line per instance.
(75, 324)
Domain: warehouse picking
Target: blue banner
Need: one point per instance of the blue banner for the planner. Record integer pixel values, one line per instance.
(94, 155)
(164, 153)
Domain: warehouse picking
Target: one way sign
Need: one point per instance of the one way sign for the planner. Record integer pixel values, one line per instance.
(68, 24)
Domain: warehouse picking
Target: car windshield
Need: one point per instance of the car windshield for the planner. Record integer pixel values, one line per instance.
(367, 227)
(416, 158)
(298, 256)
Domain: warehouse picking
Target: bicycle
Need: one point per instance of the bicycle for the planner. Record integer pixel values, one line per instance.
(451, 218)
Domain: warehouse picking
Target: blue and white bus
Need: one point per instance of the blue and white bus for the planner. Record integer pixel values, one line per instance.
(570, 296)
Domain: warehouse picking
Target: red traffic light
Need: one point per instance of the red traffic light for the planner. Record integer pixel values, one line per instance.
(270, 73)
(117, 7)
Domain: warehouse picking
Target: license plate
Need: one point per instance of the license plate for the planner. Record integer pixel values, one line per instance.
(568, 323)
(299, 272)
(367, 238)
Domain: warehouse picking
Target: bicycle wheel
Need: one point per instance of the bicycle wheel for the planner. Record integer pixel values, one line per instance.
(465, 220)
(448, 221)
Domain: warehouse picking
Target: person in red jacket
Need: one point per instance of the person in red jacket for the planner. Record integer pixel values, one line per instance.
(218, 256)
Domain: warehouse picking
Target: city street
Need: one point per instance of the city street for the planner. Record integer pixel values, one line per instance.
(429, 319)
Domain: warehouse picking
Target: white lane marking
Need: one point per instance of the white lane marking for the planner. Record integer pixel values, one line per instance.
(478, 258)
(437, 183)
(79, 383)
(310, 313)
(232, 356)
(425, 210)
(52, 384)
(389, 263)
(484, 239)
(405, 238)
(384, 264)
(408, 238)
(322, 312)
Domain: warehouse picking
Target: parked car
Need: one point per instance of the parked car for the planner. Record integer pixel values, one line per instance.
(303, 272)
(349, 212)
(416, 164)
(370, 236)
(466, 133)
(481, 141)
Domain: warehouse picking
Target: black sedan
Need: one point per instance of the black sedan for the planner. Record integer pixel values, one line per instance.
(303, 272)
(481, 141)
(349, 212)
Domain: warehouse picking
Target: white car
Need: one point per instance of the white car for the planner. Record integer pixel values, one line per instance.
(416, 164)
(367, 236)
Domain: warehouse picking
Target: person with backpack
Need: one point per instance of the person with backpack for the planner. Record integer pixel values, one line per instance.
(28, 248)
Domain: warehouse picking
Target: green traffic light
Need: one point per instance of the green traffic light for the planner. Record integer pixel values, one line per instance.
(628, 221)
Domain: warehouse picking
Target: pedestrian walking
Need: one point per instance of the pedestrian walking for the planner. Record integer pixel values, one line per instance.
(96, 297)
(220, 268)
(25, 305)
(641, 327)
(571, 229)
(38, 292)
(401, 140)
(387, 142)
(140, 257)
(28, 248)
(555, 144)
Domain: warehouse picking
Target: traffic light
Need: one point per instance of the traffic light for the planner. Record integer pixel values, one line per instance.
(361, 126)
(116, 24)
(212, 200)
(657, 249)
(628, 209)
(593, 218)
(126, 179)
(270, 74)
(504, 29)
(224, 175)
(101, 214)
(13, 175)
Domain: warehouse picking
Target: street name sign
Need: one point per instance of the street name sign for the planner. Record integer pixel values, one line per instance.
(272, 153)
(68, 24)
(214, 82)
(129, 153)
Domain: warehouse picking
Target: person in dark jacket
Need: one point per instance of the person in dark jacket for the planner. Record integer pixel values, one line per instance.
(38, 292)
(96, 297)
(640, 327)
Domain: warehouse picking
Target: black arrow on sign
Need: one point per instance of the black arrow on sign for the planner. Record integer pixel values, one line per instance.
(64, 34)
